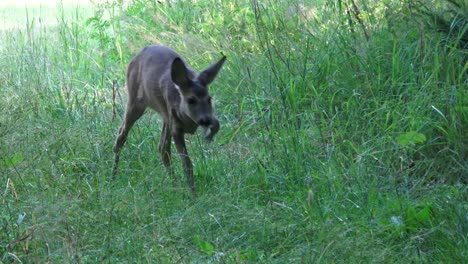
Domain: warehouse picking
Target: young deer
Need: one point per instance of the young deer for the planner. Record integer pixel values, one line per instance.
(159, 78)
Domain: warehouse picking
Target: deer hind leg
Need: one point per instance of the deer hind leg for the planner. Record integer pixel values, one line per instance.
(132, 114)
(186, 162)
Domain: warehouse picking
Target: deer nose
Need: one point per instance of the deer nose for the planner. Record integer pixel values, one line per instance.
(204, 121)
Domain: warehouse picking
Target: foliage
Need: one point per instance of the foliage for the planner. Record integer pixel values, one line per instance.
(343, 135)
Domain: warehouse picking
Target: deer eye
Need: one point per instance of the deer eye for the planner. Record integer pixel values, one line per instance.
(209, 100)
(191, 100)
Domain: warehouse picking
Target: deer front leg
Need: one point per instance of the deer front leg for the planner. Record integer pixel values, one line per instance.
(186, 162)
(164, 148)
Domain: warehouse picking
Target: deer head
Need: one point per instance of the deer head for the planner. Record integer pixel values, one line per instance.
(195, 99)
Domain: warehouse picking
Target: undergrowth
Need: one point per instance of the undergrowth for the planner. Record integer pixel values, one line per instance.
(342, 135)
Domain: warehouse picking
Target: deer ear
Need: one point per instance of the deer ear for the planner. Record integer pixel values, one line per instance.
(209, 74)
(179, 73)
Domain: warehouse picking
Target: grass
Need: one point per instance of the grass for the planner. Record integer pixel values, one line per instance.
(342, 139)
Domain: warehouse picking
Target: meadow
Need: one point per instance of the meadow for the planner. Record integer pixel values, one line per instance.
(343, 134)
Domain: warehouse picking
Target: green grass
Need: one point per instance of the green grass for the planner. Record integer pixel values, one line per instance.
(343, 137)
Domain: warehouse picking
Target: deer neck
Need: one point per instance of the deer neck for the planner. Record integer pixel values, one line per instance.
(183, 121)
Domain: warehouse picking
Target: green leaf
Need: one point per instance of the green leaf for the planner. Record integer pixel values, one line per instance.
(13, 161)
(204, 246)
(418, 217)
(411, 138)
(424, 214)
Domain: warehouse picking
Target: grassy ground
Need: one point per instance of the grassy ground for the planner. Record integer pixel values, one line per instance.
(343, 136)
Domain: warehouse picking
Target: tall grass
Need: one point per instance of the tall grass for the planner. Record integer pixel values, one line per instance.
(342, 140)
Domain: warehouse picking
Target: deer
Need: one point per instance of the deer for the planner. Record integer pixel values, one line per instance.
(159, 78)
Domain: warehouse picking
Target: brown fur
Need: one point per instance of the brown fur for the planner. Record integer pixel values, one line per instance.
(159, 78)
